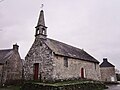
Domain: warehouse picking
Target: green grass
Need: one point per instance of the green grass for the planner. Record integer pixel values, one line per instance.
(10, 88)
(69, 82)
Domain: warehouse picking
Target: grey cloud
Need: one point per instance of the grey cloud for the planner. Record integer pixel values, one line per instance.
(89, 24)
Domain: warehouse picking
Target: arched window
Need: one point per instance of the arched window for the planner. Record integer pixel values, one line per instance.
(36, 71)
(82, 73)
(43, 31)
(65, 61)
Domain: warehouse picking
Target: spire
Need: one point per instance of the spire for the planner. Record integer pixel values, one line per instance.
(41, 28)
(41, 20)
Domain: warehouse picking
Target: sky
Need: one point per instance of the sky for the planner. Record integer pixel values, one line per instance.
(92, 25)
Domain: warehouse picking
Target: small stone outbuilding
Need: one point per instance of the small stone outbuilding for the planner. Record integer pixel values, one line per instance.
(107, 71)
(10, 65)
(50, 60)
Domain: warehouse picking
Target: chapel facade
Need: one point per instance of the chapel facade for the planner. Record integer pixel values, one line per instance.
(50, 60)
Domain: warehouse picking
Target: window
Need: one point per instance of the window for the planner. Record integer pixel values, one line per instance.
(37, 31)
(82, 73)
(6, 62)
(95, 66)
(65, 61)
(43, 31)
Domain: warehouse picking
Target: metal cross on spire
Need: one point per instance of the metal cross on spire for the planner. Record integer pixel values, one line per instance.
(42, 5)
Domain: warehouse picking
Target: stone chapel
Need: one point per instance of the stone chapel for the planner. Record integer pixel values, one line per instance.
(50, 60)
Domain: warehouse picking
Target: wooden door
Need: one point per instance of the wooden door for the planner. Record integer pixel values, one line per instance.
(82, 72)
(36, 69)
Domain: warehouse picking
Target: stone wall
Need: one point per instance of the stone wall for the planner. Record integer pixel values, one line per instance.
(51, 67)
(39, 53)
(1, 69)
(73, 70)
(11, 70)
(107, 73)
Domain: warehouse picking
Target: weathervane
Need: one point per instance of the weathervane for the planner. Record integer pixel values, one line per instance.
(42, 5)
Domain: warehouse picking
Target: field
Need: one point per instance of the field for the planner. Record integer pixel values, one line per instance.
(10, 88)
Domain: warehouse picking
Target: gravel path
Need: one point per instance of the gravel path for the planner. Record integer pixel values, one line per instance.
(114, 87)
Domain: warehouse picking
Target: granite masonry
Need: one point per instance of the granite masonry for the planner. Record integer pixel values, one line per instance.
(10, 65)
(107, 71)
(50, 60)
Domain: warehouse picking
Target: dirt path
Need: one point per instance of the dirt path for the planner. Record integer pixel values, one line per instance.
(114, 87)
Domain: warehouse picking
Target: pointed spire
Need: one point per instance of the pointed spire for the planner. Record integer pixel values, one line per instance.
(41, 20)
(41, 29)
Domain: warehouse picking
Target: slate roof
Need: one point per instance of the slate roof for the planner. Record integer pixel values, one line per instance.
(4, 54)
(105, 63)
(63, 49)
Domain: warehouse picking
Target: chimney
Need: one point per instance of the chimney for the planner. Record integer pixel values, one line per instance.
(15, 47)
(105, 60)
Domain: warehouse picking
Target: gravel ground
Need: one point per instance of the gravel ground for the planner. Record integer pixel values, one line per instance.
(114, 87)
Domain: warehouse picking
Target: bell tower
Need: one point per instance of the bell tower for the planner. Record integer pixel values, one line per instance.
(41, 29)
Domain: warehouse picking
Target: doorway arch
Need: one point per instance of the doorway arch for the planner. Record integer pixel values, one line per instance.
(82, 73)
(36, 71)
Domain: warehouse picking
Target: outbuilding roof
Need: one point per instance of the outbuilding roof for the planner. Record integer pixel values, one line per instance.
(4, 54)
(105, 63)
(63, 49)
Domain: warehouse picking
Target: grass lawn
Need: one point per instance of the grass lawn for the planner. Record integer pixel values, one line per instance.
(69, 82)
(10, 88)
